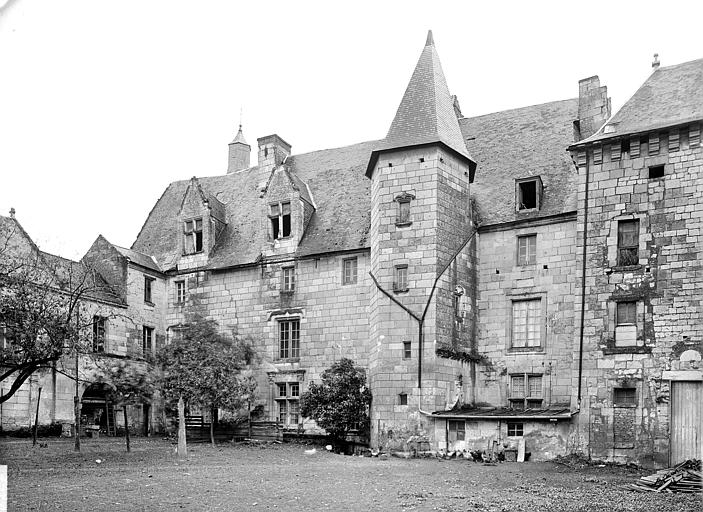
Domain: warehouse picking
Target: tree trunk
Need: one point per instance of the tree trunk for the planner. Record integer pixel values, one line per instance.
(182, 448)
(212, 426)
(77, 432)
(36, 419)
(126, 427)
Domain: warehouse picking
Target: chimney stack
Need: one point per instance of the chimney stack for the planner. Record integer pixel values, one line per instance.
(273, 150)
(594, 106)
(239, 153)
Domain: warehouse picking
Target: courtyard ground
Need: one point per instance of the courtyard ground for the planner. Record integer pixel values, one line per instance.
(284, 477)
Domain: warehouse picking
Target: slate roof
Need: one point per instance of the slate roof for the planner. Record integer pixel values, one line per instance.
(467, 411)
(426, 113)
(341, 221)
(522, 143)
(138, 258)
(671, 95)
(239, 138)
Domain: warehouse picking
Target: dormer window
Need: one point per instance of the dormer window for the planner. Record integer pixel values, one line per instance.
(528, 193)
(280, 220)
(193, 236)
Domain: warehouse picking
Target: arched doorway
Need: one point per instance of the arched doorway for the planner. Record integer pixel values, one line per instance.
(97, 411)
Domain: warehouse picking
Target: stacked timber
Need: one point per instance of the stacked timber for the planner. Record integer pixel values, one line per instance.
(685, 477)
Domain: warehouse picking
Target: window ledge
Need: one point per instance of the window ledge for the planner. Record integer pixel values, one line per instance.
(527, 210)
(533, 350)
(350, 284)
(634, 349)
(287, 359)
(403, 224)
(149, 303)
(287, 292)
(193, 253)
(625, 406)
(401, 290)
(626, 268)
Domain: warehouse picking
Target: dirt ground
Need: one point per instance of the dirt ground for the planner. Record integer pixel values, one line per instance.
(284, 477)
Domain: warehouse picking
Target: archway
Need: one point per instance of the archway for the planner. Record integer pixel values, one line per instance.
(97, 411)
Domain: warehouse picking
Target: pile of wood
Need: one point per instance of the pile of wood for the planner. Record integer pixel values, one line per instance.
(685, 477)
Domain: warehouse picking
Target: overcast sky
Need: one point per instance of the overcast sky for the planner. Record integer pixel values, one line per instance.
(104, 103)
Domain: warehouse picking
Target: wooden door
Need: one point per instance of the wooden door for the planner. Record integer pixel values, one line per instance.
(685, 433)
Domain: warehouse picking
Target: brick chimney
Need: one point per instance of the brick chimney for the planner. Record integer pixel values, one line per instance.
(594, 107)
(272, 151)
(239, 153)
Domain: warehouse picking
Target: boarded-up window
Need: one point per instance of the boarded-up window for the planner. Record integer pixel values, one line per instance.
(624, 396)
(457, 430)
(623, 427)
(626, 324)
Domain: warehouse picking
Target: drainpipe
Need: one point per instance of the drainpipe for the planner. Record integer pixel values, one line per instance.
(583, 284)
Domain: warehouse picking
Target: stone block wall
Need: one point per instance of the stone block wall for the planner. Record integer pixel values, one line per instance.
(664, 282)
(552, 278)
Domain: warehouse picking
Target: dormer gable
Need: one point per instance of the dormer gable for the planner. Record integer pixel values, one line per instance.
(109, 262)
(287, 208)
(202, 218)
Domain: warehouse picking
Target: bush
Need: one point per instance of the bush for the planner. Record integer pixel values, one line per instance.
(50, 430)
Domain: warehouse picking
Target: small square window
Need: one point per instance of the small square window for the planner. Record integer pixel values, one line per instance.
(294, 389)
(349, 271)
(148, 282)
(628, 242)
(627, 313)
(625, 396)
(407, 350)
(282, 391)
(403, 399)
(656, 171)
(515, 429)
(400, 280)
(288, 279)
(527, 250)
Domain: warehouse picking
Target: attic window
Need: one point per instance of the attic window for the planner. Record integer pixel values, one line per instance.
(193, 234)
(528, 193)
(656, 171)
(280, 220)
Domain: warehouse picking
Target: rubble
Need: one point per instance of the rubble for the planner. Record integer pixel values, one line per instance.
(685, 477)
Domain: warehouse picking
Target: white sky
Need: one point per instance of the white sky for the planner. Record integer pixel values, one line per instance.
(104, 103)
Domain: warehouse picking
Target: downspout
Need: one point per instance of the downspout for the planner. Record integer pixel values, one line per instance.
(583, 285)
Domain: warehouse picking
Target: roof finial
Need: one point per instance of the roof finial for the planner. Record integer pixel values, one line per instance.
(430, 40)
(12, 213)
(241, 110)
(655, 62)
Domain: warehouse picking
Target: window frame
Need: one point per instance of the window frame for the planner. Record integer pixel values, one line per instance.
(149, 289)
(537, 180)
(629, 400)
(147, 334)
(99, 339)
(407, 350)
(291, 350)
(456, 430)
(191, 232)
(288, 413)
(517, 428)
(540, 324)
(627, 326)
(403, 214)
(351, 277)
(631, 246)
(526, 398)
(287, 279)
(277, 220)
(180, 291)
(531, 256)
(400, 278)
(402, 399)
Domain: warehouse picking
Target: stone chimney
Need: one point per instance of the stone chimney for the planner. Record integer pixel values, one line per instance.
(594, 107)
(273, 150)
(239, 153)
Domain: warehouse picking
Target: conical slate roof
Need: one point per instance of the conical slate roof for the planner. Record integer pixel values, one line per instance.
(426, 114)
(240, 137)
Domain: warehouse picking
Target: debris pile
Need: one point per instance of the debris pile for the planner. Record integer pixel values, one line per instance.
(685, 477)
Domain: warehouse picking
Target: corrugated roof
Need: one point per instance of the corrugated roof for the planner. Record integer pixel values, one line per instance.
(522, 143)
(671, 95)
(426, 113)
(341, 220)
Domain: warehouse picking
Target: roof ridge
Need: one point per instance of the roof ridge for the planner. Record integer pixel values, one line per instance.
(517, 108)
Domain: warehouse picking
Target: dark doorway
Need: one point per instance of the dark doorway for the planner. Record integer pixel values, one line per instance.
(97, 412)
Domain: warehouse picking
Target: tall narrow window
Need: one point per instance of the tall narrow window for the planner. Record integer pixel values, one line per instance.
(148, 282)
(280, 220)
(400, 278)
(147, 340)
(288, 398)
(180, 292)
(626, 324)
(99, 333)
(457, 430)
(407, 350)
(288, 279)
(628, 242)
(527, 250)
(527, 323)
(403, 217)
(289, 339)
(193, 236)
(349, 271)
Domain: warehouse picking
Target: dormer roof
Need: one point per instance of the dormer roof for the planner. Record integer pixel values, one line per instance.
(426, 113)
